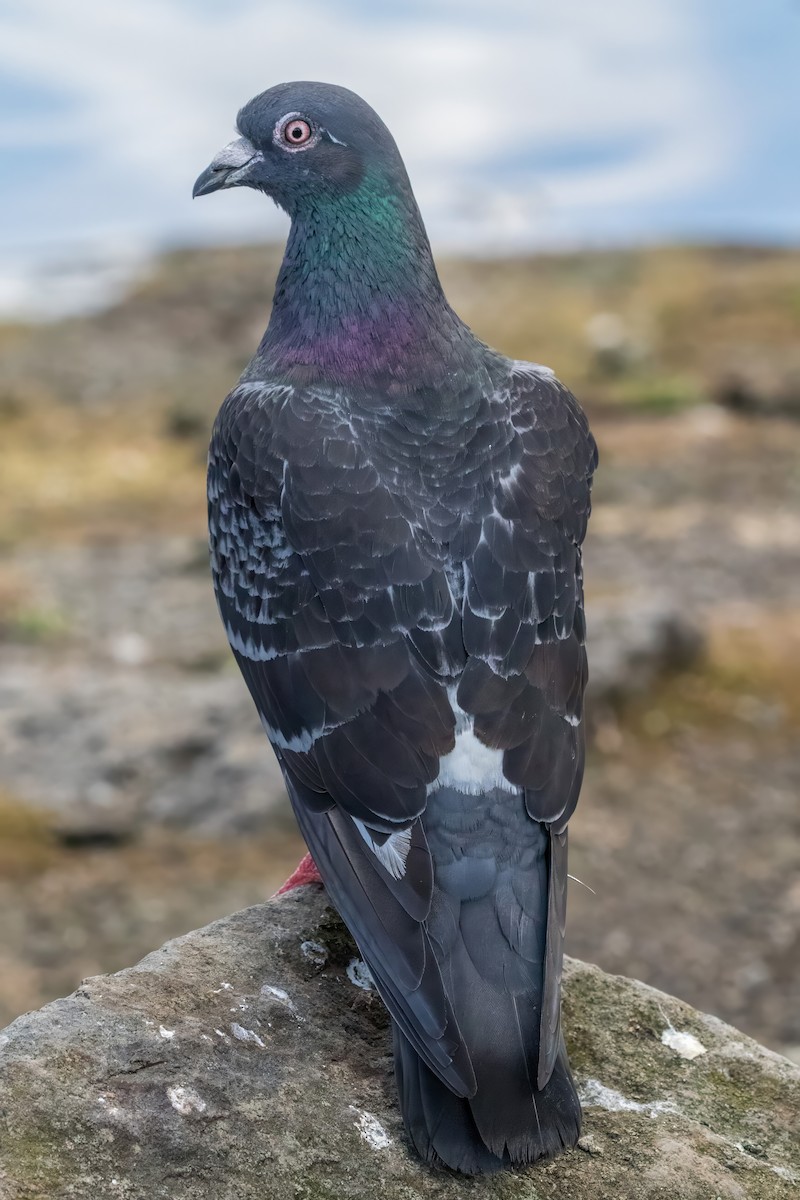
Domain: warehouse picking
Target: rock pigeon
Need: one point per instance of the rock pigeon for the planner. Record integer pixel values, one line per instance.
(396, 513)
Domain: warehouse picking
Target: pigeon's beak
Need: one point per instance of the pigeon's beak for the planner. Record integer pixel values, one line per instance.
(227, 169)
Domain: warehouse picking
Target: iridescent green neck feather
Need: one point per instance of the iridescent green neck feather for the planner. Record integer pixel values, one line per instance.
(358, 295)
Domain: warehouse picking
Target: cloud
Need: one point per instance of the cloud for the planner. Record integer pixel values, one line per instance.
(477, 95)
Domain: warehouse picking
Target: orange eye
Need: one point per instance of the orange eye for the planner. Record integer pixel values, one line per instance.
(296, 132)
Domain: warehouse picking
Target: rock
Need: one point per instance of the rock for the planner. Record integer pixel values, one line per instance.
(117, 751)
(634, 642)
(760, 385)
(239, 1062)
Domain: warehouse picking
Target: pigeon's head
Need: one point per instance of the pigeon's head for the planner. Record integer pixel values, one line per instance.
(305, 141)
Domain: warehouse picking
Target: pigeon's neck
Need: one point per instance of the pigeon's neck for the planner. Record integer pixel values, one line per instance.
(358, 296)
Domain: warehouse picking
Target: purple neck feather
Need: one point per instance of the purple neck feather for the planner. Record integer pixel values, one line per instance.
(358, 296)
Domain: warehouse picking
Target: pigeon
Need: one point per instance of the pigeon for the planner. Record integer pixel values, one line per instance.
(396, 514)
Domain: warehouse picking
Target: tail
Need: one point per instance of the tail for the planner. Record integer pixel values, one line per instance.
(507, 1122)
(499, 950)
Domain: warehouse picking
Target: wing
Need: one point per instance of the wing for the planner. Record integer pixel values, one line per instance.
(524, 632)
(336, 584)
(323, 584)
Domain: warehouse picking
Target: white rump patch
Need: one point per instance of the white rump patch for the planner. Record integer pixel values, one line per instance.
(393, 854)
(472, 768)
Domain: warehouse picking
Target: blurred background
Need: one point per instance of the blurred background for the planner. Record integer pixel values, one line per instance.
(610, 189)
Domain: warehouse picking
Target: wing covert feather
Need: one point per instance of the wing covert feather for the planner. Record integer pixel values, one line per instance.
(355, 591)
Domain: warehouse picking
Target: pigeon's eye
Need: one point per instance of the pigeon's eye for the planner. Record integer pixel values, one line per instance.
(296, 132)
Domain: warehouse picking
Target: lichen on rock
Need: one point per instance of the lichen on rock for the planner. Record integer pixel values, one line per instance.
(276, 1082)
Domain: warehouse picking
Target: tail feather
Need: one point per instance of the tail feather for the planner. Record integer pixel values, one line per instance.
(521, 1125)
(497, 936)
(440, 1124)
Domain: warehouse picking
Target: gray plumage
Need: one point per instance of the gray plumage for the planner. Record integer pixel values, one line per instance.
(396, 514)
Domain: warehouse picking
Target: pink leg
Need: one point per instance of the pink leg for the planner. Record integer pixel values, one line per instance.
(305, 872)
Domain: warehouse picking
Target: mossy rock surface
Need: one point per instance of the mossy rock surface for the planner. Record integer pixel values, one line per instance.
(242, 1062)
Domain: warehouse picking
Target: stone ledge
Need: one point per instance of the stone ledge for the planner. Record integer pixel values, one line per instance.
(247, 1061)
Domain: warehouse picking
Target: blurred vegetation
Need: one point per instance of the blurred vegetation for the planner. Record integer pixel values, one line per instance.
(27, 845)
(747, 683)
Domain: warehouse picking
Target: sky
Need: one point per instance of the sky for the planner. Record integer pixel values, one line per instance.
(524, 123)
